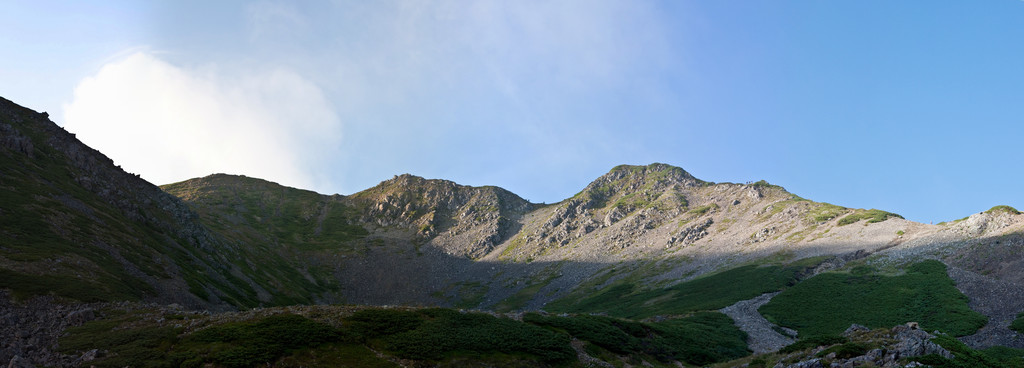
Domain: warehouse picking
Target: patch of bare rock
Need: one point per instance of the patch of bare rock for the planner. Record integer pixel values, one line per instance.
(29, 330)
(762, 336)
(897, 344)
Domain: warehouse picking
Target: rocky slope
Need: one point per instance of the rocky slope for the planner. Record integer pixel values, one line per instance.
(77, 226)
(487, 248)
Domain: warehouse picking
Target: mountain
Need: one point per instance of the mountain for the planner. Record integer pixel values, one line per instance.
(78, 226)
(651, 247)
(416, 241)
(454, 235)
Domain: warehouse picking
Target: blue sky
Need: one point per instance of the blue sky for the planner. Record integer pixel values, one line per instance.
(912, 107)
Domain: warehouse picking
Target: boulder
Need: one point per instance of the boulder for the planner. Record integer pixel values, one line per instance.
(18, 362)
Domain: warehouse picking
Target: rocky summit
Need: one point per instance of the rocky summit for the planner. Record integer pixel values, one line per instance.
(646, 265)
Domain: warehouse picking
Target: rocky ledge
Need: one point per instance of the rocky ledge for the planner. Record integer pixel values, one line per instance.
(894, 347)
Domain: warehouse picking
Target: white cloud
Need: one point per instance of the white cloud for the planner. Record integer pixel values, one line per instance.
(169, 123)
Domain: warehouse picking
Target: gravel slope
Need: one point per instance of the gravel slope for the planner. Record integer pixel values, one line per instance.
(761, 335)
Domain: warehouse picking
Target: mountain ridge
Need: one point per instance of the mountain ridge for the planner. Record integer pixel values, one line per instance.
(77, 224)
(79, 228)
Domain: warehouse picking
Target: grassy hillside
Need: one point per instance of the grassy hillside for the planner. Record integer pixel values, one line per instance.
(373, 337)
(77, 226)
(828, 303)
(626, 298)
(257, 211)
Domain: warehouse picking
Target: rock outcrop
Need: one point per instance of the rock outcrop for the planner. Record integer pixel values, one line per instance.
(29, 330)
(460, 220)
(894, 348)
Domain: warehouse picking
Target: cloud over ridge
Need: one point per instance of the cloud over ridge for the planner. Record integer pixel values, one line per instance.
(169, 123)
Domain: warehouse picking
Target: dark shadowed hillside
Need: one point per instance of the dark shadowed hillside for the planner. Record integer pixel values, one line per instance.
(78, 226)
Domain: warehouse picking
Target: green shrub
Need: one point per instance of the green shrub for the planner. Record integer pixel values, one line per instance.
(372, 323)
(1018, 323)
(701, 339)
(965, 357)
(830, 302)
(825, 212)
(863, 270)
(605, 332)
(136, 347)
(25, 285)
(703, 209)
(625, 299)
(871, 215)
(933, 360)
(1003, 208)
(1006, 356)
(442, 332)
(247, 344)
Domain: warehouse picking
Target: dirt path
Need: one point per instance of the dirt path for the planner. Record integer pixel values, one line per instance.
(1000, 301)
(761, 334)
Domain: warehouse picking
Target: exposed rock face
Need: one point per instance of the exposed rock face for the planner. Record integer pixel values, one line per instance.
(460, 220)
(14, 141)
(29, 330)
(912, 341)
(985, 223)
(897, 345)
(693, 233)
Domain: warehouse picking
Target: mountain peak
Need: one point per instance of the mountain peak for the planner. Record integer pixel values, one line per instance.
(655, 171)
(650, 168)
(626, 182)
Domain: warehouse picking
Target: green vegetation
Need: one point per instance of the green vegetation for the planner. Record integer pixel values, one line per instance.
(700, 211)
(275, 223)
(871, 215)
(140, 347)
(433, 334)
(813, 342)
(965, 357)
(248, 344)
(520, 298)
(775, 208)
(470, 294)
(237, 344)
(50, 224)
(428, 335)
(337, 336)
(764, 184)
(609, 193)
(24, 286)
(700, 339)
(255, 210)
(76, 239)
(1003, 209)
(1005, 356)
(847, 350)
(825, 212)
(828, 303)
(624, 298)
(1018, 323)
